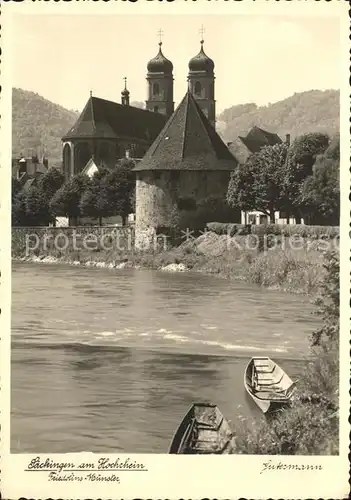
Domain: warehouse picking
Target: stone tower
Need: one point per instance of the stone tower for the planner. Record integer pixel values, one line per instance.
(160, 84)
(201, 83)
(183, 178)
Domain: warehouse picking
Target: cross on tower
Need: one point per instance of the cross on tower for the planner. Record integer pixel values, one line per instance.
(125, 82)
(160, 34)
(202, 32)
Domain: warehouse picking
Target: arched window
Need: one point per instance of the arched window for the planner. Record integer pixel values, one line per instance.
(155, 89)
(67, 161)
(197, 88)
(156, 109)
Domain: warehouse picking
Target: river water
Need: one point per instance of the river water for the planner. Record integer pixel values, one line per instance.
(110, 361)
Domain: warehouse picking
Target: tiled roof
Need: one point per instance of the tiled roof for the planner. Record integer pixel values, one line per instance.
(188, 142)
(239, 150)
(242, 147)
(257, 138)
(110, 120)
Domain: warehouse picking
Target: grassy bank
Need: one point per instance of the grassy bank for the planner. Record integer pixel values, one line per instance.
(278, 264)
(311, 425)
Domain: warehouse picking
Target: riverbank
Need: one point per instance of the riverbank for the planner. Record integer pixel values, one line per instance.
(311, 425)
(282, 266)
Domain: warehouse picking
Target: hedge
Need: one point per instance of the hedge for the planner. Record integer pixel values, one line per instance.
(302, 230)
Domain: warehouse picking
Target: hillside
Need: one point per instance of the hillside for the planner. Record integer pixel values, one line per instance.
(311, 111)
(38, 125)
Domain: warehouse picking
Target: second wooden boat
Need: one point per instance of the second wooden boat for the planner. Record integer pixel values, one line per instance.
(202, 431)
(268, 384)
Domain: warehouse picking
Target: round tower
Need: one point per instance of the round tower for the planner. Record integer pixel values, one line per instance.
(160, 84)
(201, 83)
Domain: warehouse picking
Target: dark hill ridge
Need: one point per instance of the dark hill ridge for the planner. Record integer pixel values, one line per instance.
(39, 124)
(311, 111)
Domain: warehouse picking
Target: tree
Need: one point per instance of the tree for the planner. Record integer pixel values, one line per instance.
(19, 213)
(110, 192)
(66, 201)
(329, 303)
(50, 182)
(272, 179)
(257, 185)
(120, 186)
(320, 196)
(301, 158)
(95, 201)
(36, 205)
(16, 187)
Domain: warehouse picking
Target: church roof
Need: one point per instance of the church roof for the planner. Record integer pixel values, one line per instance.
(110, 120)
(160, 63)
(201, 62)
(188, 142)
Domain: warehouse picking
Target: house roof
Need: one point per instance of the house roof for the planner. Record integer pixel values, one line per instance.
(91, 165)
(110, 120)
(242, 147)
(188, 142)
(28, 183)
(239, 150)
(257, 138)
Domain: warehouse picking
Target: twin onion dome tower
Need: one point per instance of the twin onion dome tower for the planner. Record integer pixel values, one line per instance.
(200, 83)
(182, 166)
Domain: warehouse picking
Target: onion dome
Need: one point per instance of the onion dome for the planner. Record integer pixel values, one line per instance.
(160, 64)
(125, 91)
(201, 62)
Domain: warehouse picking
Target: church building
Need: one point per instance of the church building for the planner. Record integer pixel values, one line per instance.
(107, 131)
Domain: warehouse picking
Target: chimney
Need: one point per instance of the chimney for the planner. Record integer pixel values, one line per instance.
(287, 139)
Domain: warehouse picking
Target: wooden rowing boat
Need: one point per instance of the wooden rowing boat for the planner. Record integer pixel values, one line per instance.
(268, 384)
(202, 431)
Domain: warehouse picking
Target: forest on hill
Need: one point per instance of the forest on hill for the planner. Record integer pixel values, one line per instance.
(38, 124)
(311, 111)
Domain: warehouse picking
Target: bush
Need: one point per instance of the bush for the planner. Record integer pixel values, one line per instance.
(304, 429)
(301, 230)
(328, 304)
(228, 228)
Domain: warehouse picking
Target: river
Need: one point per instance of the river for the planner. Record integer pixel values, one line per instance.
(110, 361)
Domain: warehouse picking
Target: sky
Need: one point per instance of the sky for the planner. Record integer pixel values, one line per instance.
(257, 59)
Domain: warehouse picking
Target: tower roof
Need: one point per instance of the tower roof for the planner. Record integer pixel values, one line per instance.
(125, 91)
(188, 142)
(160, 63)
(201, 62)
(110, 120)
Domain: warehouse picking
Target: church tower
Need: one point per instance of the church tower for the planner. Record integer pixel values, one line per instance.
(201, 83)
(160, 84)
(125, 94)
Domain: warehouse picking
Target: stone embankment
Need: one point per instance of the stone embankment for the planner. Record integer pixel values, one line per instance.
(279, 262)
